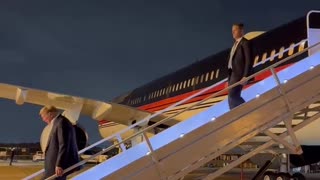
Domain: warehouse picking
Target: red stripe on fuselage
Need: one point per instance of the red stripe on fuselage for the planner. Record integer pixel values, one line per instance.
(162, 104)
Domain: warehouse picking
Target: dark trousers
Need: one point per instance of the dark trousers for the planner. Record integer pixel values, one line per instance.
(234, 96)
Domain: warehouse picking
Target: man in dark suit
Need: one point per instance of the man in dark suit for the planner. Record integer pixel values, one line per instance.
(239, 65)
(61, 149)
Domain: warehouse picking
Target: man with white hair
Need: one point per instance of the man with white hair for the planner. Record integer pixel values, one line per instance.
(60, 149)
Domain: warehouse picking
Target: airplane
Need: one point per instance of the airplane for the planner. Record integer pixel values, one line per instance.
(143, 101)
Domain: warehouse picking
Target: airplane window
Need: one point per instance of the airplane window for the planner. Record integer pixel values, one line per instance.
(202, 76)
(197, 80)
(192, 81)
(184, 84)
(256, 60)
(207, 77)
(173, 87)
(291, 50)
(212, 75)
(180, 85)
(217, 73)
(273, 52)
(281, 52)
(302, 46)
(264, 57)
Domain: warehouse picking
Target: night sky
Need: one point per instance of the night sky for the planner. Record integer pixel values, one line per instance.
(100, 49)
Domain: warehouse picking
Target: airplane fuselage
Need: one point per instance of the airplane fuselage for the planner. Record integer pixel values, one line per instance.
(172, 88)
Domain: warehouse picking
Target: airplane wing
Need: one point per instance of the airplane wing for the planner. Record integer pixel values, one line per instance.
(73, 105)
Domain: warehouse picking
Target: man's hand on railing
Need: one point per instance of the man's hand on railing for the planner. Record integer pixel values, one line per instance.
(59, 171)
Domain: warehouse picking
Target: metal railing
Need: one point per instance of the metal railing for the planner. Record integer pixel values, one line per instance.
(143, 131)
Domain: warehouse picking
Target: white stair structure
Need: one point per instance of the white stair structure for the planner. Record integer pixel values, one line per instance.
(186, 146)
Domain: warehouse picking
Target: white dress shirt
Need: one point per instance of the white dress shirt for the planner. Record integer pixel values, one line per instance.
(46, 134)
(233, 50)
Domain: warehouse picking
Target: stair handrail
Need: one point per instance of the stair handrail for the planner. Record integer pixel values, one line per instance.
(144, 130)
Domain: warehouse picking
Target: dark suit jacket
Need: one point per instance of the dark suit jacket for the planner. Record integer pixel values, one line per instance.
(62, 150)
(241, 62)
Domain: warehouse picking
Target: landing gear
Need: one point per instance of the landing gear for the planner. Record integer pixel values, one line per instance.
(282, 174)
(269, 175)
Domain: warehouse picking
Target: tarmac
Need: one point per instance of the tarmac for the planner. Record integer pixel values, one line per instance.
(21, 169)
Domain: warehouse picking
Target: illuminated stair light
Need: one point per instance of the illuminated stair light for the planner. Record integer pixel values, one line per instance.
(311, 67)
(214, 118)
(148, 153)
(285, 81)
(181, 135)
(258, 95)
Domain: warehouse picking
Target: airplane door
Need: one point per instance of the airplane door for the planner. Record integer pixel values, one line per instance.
(313, 30)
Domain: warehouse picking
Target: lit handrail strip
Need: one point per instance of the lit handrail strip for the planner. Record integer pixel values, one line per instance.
(174, 105)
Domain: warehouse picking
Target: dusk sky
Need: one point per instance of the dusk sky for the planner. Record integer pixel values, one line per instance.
(100, 49)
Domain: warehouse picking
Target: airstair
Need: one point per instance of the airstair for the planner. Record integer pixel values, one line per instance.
(186, 146)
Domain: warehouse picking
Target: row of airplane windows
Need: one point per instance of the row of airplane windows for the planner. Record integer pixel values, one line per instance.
(179, 86)
(213, 74)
